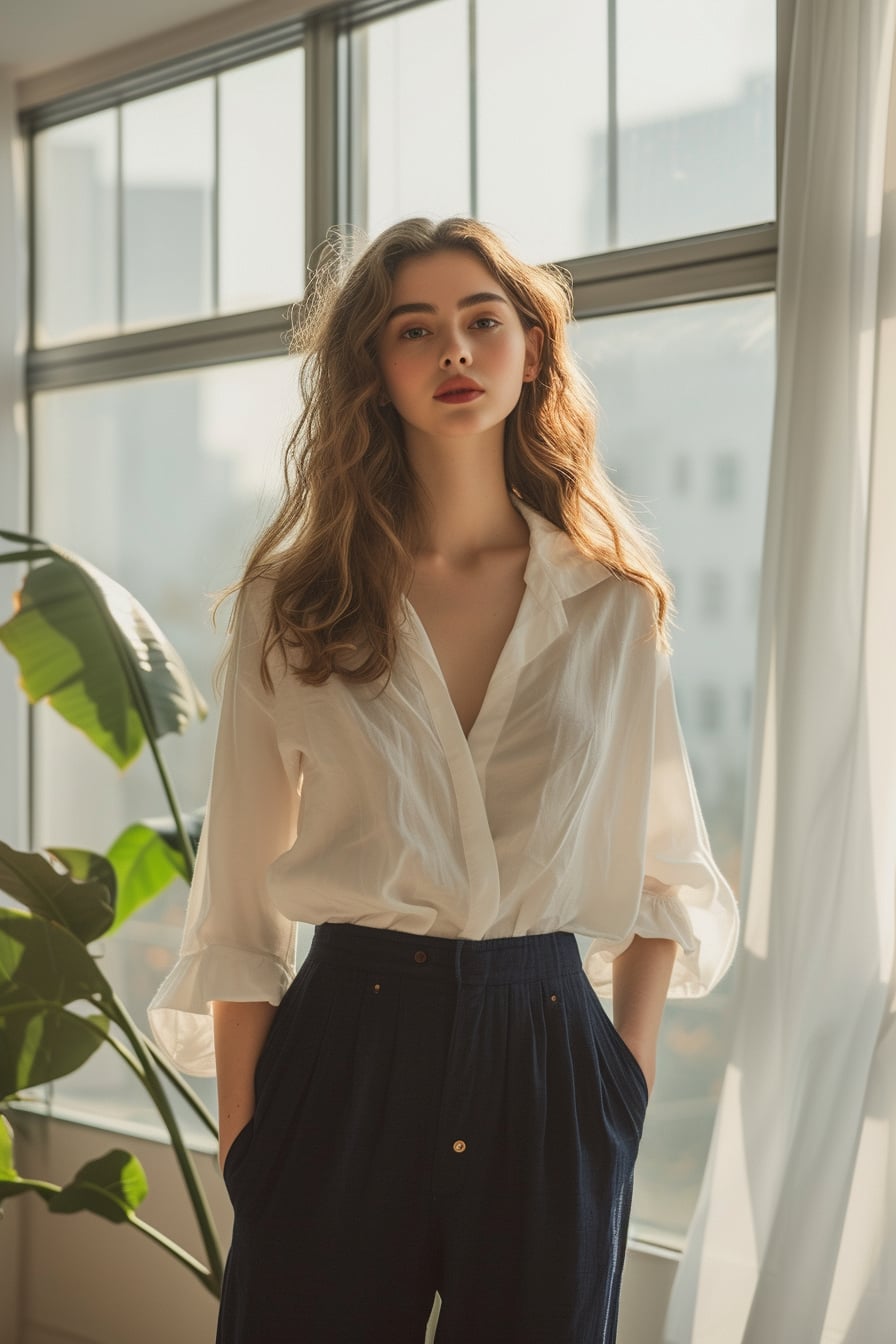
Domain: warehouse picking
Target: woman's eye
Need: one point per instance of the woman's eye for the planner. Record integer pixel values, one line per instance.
(410, 331)
(494, 321)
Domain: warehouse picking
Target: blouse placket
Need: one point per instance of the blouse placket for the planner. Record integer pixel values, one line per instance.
(539, 621)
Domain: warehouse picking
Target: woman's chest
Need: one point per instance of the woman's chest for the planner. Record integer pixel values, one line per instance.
(468, 618)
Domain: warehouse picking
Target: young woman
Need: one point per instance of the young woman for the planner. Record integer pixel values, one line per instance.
(448, 740)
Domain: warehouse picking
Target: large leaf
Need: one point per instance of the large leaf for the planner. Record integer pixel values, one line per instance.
(44, 1043)
(42, 962)
(44, 967)
(144, 865)
(82, 900)
(112, 1186)
(87, 646)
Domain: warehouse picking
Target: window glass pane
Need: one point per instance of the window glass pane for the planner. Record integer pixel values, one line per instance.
(681, 141)
(541, 141)
(696, 117)
(159, 481)
(409, 110)
(262, 187)
(671, 383)
(168, 166)
(75, 229)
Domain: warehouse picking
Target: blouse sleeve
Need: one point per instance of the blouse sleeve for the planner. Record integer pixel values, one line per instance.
(236, 945)
(684, 895)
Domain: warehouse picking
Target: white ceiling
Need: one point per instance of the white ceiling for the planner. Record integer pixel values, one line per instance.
(38, 35)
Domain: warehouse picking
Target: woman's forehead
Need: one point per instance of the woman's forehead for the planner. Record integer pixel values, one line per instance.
(443, 272)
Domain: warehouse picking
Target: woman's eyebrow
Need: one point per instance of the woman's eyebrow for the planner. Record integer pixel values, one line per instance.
(468, 302)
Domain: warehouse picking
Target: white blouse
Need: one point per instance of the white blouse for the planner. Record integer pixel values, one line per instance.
(570, 807)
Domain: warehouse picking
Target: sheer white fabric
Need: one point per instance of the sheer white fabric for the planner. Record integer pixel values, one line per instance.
(570, 807)
(794, 1237)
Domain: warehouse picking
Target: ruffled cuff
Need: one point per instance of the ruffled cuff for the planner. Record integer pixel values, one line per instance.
(180, 1015)
(706, 943)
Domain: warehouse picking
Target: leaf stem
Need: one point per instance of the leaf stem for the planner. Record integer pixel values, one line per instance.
(202, 1273)
(154, 1086)
(183, 1088)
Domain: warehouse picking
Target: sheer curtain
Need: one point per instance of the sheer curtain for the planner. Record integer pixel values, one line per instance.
(794, 1236)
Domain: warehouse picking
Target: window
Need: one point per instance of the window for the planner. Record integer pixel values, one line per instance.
(607, 126)
(709, 708)
(725, 478)
(174, 216)
(137, 227)
(724, 347)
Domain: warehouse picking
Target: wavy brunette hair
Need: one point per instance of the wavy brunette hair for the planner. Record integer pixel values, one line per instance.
(341, 543)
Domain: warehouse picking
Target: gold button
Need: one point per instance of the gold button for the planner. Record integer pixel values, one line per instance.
(459, 1145)
(421, 956)
(376, 989)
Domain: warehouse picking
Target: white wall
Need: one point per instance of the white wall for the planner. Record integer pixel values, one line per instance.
(12, 515)
(13, 307)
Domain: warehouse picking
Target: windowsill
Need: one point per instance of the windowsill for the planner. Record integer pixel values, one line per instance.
(127, 1128)
(663, 1250)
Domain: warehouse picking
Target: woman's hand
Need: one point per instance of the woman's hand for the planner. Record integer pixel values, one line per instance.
(226, 1135)
(645, 1053)
(641, 976)
(241, 1030)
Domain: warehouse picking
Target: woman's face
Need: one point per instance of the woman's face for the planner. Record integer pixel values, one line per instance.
(457, 321)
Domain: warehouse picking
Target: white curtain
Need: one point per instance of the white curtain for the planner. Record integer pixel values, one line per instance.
(794, 1236)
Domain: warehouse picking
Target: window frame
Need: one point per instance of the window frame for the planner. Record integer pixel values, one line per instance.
(679, 271)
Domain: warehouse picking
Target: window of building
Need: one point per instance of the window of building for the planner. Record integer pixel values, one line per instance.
(709, 708)
(712, 594)
(725, 478)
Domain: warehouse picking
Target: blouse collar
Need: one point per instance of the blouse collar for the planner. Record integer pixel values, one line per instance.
(556, 567)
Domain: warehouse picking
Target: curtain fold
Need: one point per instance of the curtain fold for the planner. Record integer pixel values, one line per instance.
(794, 1235)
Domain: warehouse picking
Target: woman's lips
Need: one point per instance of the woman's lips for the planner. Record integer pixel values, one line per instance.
(463, 394)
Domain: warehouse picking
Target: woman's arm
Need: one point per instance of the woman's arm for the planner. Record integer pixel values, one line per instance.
(641, 976)
(240, 1032)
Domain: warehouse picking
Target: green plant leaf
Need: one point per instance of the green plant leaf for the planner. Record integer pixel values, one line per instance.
(44, 1042)
(43, 967)
(82, 900)
(144, 865)
(7, 1166)
(11, 1183)
(112, 1186)
(146, 857)
(42, 961)
(87, 646)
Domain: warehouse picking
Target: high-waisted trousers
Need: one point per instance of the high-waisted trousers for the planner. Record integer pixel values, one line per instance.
(434, 1115)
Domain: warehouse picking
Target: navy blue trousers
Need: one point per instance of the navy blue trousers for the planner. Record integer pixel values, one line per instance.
(434, 1114)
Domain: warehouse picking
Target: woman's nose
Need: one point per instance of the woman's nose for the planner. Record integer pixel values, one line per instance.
(456, 351)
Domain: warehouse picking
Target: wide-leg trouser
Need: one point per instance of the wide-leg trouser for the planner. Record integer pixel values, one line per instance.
(434, 1114)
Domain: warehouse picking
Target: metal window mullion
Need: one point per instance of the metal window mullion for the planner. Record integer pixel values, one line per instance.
(612, 128)
(356, 101)
(688, 270)
(216, 196)
(119, 217)
(321, 117)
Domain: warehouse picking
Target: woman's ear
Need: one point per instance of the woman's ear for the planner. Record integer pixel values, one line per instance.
(534, 347)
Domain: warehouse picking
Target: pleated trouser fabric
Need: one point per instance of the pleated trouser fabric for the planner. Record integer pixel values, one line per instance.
(434, 1114)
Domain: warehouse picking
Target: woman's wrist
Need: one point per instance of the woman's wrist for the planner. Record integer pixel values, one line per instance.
(641, 976)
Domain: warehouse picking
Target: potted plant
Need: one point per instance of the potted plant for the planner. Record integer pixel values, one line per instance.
(85, 645)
